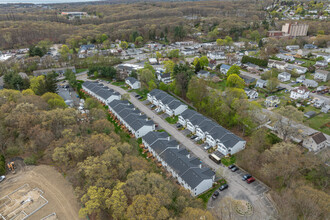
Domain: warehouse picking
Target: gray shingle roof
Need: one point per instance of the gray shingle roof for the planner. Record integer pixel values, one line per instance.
(132, 80)
(188, 113)
(153, 136)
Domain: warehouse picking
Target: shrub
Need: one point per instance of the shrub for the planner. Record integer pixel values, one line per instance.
(2, 165)
(30, 160)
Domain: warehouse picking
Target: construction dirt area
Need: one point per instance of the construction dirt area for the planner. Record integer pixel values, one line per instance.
(37, 192)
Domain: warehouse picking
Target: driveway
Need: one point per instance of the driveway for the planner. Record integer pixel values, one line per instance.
(254, 192)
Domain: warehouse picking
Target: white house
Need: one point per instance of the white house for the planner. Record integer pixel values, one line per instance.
(216, 55)
(164, 77)
(133, 83)
(276, 64)
(300, 69)
(292, 47)
(326, 56)
(315, 142)
(261, 83)
(224, 68)
(284, 76)
(251, 93)
(321, 63)
(203, 74)
(175, 108)
(188, 52)
(272, 101)
(310, 83)
(153, 61)
(322, 75)
(299, 93)
(285, 57)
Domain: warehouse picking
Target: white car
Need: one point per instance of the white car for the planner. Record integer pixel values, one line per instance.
(2, 178)
(207, 147)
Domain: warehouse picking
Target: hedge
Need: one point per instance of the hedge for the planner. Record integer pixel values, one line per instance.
(2, 165)
(256, 61)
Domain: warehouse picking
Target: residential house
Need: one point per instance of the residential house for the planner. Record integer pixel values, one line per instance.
(299, 62)
(300, 69)
(299, 93)
(301, 79)
(216, 55)
(284, 76)
(325, 109)
(188, 170)
(285, 57)
(251, 93)
(124, 70)
(261, 83)
(164, 77)
(272, 101)
(203, 74)
(310, 46)
(323, 75)
(310, 114)
(310, 83)
(133, 83)
(276, 64)
(224, 68)
(100, 92)
(153, 61)
(319, 103)
(292, 47)
(188, 52)
(321, 63)
(247, 79)
(315, 142)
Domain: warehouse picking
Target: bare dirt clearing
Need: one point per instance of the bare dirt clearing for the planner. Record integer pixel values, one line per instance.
(37, 182)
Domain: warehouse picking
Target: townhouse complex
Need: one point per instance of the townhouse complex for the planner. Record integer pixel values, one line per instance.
(188, 170)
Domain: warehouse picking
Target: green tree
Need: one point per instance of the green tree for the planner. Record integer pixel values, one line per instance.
(64, 51)
(71, 77)
(203, 61)
(145, 77)
(234, 69)
(138, 40)
(174, 53)
(118, 202)
(94, 201)
(234, 80)
(272, 84)
(152, 85)
(228, 40)
(169, 66)
(123, 45)
(220, 42)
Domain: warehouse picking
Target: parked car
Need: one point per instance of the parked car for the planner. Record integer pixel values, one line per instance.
(246, 176)
(152, 106)
(234, 169)
(156, 125)
(231, 166)
(215, 194)
(250, 180)
(137, 95)
(206, 147)
(223, 187)
(2, 178)
(193, 137)
(179, 125)
(140, 97)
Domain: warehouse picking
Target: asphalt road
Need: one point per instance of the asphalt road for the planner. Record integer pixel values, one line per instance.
(255, 192)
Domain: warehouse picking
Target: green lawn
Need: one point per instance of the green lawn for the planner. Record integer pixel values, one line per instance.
(220, 85)
(228, 160)
(141, 92)
(320, 122)
(172, 120)
(307, 62)
(80, 70)
(120, 83)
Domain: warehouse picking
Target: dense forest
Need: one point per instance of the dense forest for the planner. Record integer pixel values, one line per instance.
(26, 26)
(103, 163)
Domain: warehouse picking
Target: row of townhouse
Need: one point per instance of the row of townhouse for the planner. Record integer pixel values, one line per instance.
(100, 92)
(212, 133)
(166, 102)
(136, 123)
(179, 163)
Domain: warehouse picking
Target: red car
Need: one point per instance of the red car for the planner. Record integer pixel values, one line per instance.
(250, 180)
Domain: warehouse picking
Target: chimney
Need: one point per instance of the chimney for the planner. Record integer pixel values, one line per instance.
(188, 155)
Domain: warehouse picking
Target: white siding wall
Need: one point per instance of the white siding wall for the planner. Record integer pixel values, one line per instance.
(180, 109)
(202, 187)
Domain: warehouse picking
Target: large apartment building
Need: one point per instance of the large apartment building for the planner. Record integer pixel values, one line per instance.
(295, 29)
